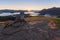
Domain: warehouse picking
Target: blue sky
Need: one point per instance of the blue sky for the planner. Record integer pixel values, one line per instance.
(29, 4)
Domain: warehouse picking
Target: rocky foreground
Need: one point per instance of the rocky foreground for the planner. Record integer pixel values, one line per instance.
(31, 30)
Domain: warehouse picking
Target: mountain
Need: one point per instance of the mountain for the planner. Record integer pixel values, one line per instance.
(52, 11)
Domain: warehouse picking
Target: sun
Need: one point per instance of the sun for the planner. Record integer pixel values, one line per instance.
(29, 9)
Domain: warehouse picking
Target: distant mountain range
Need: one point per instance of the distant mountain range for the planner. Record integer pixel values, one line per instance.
(11, 11)
(51, 11)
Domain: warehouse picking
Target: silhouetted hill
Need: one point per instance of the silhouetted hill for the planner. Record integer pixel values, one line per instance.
(52, 11)
(6, 18)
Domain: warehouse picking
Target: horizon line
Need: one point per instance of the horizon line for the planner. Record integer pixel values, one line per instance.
(26, 9)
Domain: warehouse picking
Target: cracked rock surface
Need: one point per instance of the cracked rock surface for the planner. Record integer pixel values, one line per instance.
(31, 30)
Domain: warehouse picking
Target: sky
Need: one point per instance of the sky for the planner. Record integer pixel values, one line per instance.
(28, 4)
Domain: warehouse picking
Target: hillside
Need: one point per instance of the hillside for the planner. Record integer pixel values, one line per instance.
(56, 20)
